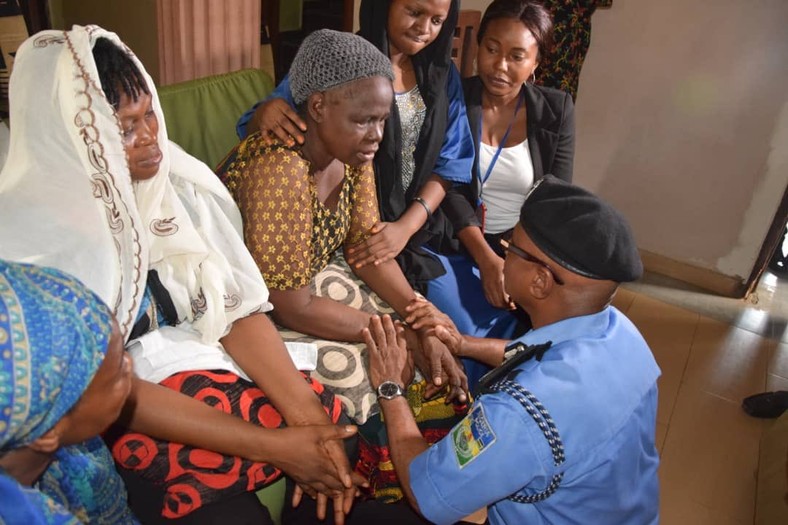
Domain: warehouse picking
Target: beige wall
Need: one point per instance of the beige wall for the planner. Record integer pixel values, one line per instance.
(682, 123)
(481, 5)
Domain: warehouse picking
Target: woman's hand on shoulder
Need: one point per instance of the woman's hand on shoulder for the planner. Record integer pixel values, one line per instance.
(275, 119)
(386, 241)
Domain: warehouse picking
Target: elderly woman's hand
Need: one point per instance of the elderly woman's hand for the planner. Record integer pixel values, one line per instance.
(424, 316)
(276, 120)
(435, 361)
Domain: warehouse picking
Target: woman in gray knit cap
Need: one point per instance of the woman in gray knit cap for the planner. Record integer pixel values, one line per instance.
(300, 203)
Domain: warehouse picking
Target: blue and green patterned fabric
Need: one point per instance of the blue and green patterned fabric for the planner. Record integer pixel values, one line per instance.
(53, 337)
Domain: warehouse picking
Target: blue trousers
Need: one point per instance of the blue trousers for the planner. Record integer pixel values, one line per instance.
(460, 295)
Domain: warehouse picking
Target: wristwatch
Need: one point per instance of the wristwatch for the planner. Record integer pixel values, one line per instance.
(389, 390)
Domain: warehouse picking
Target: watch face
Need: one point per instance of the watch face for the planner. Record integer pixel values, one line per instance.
(389, 390)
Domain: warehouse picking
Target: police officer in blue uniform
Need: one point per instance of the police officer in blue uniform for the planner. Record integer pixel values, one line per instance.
(562, 430)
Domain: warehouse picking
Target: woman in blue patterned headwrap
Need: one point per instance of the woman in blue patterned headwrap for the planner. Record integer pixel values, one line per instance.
(63, 379)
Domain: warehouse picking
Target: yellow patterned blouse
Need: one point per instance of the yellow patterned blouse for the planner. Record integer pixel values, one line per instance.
(289, 232)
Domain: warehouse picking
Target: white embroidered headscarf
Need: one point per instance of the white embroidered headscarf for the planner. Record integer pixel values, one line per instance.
(67, 199)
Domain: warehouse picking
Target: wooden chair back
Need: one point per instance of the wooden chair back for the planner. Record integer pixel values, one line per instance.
(464, 46)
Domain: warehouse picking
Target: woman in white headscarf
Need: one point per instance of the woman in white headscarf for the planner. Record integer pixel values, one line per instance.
(93, 187)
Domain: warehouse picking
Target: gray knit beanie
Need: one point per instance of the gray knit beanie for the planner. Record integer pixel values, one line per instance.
(327, 59)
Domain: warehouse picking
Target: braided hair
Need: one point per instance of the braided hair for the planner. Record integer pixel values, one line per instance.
(117, 71)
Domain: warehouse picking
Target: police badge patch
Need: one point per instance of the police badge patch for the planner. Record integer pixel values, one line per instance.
(472, 436)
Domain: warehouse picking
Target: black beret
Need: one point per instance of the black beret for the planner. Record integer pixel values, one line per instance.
(580, 231)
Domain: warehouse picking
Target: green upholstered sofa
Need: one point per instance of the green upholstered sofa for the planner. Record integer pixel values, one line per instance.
(201, 116)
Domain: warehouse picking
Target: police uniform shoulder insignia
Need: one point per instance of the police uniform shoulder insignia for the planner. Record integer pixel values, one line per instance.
(472, 436)
(515, 355)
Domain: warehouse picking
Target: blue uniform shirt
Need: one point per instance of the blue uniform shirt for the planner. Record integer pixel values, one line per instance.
(598, 383)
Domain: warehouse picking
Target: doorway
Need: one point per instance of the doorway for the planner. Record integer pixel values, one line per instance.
(774, 240)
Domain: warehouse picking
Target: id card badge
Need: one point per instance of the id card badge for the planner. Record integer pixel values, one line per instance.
(481, 214)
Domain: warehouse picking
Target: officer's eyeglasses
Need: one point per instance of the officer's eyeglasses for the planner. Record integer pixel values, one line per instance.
(513, 248)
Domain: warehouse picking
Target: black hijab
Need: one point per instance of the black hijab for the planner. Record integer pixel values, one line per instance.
(432, 66)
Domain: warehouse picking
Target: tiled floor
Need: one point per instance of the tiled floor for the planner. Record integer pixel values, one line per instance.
(713, 352)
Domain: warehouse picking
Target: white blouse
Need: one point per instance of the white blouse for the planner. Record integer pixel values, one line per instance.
(504, 192)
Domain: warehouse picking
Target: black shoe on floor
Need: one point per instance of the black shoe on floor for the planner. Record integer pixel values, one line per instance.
(779, 266)
(766, 404)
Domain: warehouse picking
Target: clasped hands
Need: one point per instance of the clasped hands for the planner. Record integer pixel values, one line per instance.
(395, 350)
(426, 342)
(315, 458)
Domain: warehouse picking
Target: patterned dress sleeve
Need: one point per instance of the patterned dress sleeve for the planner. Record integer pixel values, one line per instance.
(272, 187)
(364, 213)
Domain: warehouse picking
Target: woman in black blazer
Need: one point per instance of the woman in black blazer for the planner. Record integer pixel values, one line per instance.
(521, 132)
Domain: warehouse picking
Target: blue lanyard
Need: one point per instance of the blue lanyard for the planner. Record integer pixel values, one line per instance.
(501, 145)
